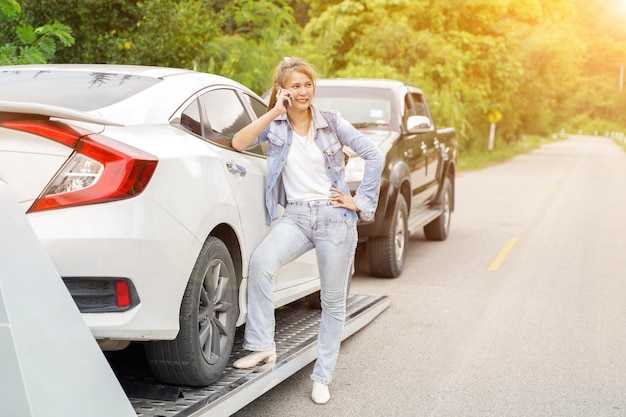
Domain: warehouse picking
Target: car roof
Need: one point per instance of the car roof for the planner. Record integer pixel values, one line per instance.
(150, 94)
(139, 70)
(365, 82)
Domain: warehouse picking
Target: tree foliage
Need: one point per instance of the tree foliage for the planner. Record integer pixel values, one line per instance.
(242, 39)
(542, 65)
(25, 44)
(255, 36)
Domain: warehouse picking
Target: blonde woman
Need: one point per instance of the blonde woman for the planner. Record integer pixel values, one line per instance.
(305, 174)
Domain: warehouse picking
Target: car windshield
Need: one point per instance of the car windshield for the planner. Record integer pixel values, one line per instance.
(362, 107)
(78, 90)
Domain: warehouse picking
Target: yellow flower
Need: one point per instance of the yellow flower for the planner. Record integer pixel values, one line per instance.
(127, 45)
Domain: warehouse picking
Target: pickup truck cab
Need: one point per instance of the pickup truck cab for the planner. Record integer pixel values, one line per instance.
(417, 184)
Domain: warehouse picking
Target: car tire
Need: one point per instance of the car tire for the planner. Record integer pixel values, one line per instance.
(208, 315)
(438, 229)
(386, 254)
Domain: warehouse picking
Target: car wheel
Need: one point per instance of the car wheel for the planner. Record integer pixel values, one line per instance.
(386, 254)
(208, 315)
(439, 228)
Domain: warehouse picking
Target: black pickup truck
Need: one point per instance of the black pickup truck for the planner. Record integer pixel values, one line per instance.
(417, 186)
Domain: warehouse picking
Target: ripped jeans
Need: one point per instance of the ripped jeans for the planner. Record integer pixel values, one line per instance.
(304, 226)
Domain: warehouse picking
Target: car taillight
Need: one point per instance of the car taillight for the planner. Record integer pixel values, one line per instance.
(122, 293)
(100, 170)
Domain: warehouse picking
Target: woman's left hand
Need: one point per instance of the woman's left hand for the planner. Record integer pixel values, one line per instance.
(344, 200)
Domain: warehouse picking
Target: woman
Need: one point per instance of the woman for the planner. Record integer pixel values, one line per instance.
(305, 174)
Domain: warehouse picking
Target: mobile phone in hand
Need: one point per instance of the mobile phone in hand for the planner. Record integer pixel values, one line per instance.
(285, 101)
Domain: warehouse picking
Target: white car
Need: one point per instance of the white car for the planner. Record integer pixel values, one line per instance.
(127, 176)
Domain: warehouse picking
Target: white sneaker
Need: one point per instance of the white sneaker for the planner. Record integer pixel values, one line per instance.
(320, 394)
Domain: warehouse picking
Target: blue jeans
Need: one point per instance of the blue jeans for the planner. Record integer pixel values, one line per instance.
(304, 226)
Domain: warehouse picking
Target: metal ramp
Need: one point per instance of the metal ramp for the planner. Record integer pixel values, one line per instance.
(296, 339)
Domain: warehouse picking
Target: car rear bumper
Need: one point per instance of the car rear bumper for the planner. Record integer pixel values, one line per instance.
(135, 240)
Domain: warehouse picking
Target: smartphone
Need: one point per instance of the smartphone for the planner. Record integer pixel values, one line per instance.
(285, 101)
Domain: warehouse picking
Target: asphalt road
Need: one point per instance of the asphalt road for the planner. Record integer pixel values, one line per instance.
(521, 312)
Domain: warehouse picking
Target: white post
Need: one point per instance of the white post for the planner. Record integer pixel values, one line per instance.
(492, 135)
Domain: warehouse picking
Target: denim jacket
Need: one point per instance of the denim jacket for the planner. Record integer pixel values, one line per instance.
(332, 133)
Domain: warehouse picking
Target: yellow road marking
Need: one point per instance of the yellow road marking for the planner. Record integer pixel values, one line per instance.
(502, 255)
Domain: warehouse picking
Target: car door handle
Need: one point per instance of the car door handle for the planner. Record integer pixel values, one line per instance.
(233, 168)
(408, 153)
(423, 147)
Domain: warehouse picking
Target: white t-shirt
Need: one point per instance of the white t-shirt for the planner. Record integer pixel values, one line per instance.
(304, 176)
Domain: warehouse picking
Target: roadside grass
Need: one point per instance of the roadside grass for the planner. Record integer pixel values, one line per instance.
(621, 142)
(502, 152)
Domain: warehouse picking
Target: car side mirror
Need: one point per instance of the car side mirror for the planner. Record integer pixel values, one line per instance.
(419, 124)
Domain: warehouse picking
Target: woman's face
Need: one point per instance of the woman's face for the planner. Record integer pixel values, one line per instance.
(301, 88)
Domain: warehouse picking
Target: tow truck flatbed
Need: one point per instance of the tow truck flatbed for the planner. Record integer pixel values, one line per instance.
(44, 375)
(296, 337)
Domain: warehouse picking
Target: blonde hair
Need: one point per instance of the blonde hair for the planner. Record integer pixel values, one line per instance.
(284, 70)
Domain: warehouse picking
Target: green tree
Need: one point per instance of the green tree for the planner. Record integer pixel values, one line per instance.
(242, 39)
(465, 73)
(599, 103)
(25, 44)
(553, 58)
(95, 25)
(540, 64)
(255, 36)
(543, 65)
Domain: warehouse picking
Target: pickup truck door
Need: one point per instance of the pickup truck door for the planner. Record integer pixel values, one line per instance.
(418, 153)
(428, 143)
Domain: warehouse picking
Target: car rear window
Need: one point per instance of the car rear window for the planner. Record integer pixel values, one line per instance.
(78, 90)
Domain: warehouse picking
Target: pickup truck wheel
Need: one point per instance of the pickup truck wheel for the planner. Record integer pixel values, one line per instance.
(386, 254)
(439, 228)
(208, 314)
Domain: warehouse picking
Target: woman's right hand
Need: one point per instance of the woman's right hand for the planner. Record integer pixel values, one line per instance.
(283, 100)
(244, 138)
